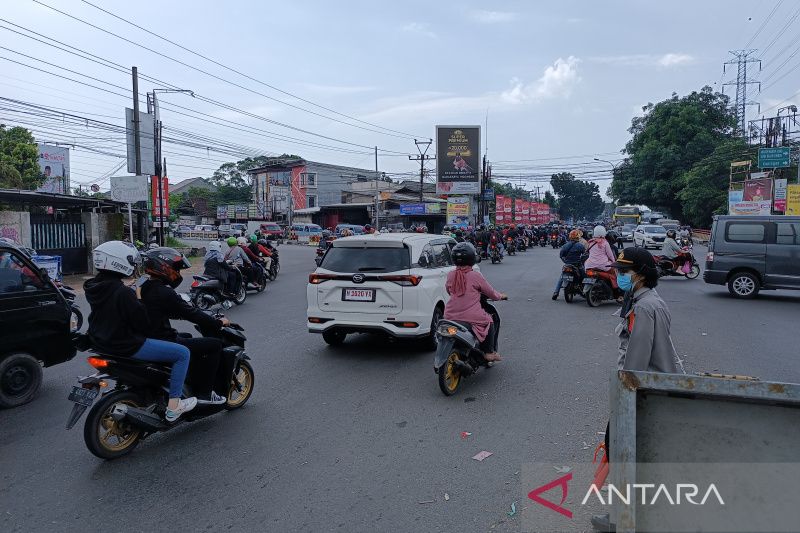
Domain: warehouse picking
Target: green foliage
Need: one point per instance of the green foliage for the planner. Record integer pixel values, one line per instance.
(19, 159)
(510, 191)
(705, 186)
(549, 199)
(577, 199)
(172, 242)
(669, 140)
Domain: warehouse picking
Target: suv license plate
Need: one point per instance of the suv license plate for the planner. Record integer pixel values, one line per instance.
(358, 295)
(83, 396)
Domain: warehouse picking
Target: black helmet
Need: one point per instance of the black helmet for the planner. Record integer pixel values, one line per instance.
(612, 236)
(165, 264)
(463, 254)
(671, 234)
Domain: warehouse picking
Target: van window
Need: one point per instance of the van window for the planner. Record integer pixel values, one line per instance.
(788, 233)
(753, 232)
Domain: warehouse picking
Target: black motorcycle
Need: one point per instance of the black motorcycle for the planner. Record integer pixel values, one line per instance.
(260, 278)
(494, 253)
(678, 267)
(458, 351)
(571, 282)
(133, 399)
(206, 292)
(598, 289)
(511, 246)
(542, 241)
(522, 244)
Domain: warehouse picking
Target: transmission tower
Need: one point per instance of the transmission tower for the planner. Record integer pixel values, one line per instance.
(741, 60)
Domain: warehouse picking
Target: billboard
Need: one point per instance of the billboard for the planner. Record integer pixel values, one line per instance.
(758, 190)
(458, 162)
(147, 154)
(793, 199)
(130, 189)
(458, 211)
(412, 209)
(54, 164)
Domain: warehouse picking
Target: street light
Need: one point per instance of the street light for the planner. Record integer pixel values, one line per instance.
(613, 166)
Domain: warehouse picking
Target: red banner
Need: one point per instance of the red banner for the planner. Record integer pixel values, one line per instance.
(499, 213)
(521, 208)
(163, 213)
(539, 213)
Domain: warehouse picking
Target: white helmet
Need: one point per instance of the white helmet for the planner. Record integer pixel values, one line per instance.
(599, 231)
(116, 256)
(215, 246)
(242, 241)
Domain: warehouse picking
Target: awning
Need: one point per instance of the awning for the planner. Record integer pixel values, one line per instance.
(17, 196)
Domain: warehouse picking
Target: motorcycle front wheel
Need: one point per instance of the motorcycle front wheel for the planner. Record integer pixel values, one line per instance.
(449, 376)
(106, 437)
(241, 296)
(246, 379)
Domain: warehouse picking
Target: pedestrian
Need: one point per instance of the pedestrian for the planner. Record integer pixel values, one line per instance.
(645, 342)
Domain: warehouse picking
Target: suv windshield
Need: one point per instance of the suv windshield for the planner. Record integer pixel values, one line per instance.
(655, 229)
(340, 259)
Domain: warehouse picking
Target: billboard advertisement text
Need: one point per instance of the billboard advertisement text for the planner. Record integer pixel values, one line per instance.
(458, 159)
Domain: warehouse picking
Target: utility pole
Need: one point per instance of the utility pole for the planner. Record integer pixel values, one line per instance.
(377, 191)
(538, 198)
(136, 146)
(741, 60)
(484, 182)
(422, 157)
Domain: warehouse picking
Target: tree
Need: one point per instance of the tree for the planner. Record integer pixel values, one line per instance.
(549, 199)
(705, 186)
(576, 198)
(19, 159)
(668, 140)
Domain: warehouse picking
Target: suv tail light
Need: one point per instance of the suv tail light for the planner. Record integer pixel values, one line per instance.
(404, 280)
(316, 279)
(710, 257)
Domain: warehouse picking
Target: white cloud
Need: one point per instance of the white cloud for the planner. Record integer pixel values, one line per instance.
(492, 17)
(556, 81)
(668, 60)
(421, 28)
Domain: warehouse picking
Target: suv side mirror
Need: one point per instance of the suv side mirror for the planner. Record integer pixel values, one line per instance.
(423, 261)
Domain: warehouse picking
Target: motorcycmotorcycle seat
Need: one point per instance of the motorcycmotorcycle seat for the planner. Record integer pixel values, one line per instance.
(201, 278)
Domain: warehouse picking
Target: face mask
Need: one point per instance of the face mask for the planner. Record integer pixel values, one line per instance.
(625, 281)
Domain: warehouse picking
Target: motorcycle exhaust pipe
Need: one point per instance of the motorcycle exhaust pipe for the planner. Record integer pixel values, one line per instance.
(463, 368)
(139, 418)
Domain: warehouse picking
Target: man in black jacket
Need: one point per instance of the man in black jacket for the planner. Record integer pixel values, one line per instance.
(571, 254)
(208, 373)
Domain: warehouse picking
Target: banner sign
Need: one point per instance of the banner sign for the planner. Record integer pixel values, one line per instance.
(499, 215)
(458, 209)
(130, 189)
(777, 157)
(433, 209)
(412, 209)
(522, 215)
(758, 190)
(54, 164)
(160, 207)
(222, 211)
(458, 163)
(780, 195)
(793, 199)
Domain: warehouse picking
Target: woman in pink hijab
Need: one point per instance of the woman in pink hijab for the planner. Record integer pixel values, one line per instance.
(465, 287)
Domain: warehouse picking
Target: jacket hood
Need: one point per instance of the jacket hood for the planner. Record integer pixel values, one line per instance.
(101, 287)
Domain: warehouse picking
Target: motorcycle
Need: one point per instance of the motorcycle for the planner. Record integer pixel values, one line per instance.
(571, 282)
(542, 241)
(597, 288)
(458, 352)
(686, 242)
(522, 244)
(684, 265)
(260, 275)
(275, 267)
(511, 248)
(494, 253)
(554, 240)
(133, 407)
(206, 292)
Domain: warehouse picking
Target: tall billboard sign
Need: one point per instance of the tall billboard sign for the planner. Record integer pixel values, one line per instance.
(54, 164)
(458, 163)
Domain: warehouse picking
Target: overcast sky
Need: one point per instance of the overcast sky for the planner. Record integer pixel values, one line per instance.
(557, 79)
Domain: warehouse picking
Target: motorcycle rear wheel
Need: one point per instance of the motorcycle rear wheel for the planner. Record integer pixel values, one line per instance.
(449, 376)
(569, 295)
(595, 295)
(242, 295)
(694, 273)
(125, 436)
(247, 378)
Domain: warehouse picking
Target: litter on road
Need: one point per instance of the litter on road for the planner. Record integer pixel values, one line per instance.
(465, 434)
(480, 456)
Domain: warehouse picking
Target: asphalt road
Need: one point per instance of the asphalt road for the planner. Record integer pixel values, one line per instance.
(354, 438)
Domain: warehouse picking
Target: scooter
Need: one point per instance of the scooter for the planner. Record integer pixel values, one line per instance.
(522, 244)
(571, 282)
(684, 265)
(458, 352)
(554, 240)
(207, 292)
(542, 241)
(494, 253)
(511, 248)
(133, 407)
(598, 289)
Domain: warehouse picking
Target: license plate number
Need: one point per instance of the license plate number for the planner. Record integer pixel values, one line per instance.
(358, 295)
(589, 281)
(83, 396)
(567, 278)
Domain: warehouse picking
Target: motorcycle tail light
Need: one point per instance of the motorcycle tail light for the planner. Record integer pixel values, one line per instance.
(97, 362)
(195, 283)
(446, 330)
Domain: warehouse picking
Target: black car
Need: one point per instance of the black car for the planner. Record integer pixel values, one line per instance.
(35, 326)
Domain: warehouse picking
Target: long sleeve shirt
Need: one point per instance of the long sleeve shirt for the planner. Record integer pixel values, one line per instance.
(467, 307)
(644, 335)
(600, 255)
(671, 248)
(238, 256)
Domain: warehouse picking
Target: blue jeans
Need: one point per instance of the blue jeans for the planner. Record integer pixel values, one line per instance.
(167, 352)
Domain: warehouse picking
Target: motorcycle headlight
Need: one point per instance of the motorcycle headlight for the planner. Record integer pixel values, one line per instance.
(447, 330)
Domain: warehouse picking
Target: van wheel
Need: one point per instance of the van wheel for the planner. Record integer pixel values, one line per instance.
(743, 285)
(334, 338)
(20, 379)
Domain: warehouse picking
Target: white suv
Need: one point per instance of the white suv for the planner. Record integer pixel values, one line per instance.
(390, 283)
(649, 236)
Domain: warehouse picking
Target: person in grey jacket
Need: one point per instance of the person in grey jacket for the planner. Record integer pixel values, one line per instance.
(671, 249)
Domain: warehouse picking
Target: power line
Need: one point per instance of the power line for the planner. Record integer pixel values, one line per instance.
(763, 24)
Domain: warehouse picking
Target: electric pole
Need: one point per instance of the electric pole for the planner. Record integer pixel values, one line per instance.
(377, 191)
(422, 157)
(741, 60)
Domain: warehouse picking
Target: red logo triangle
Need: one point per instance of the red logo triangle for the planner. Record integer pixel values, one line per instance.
(560, 482)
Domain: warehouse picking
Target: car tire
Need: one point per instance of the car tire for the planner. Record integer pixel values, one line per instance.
(430, 342)
(20, 379)
(744, 285)
(334, 337)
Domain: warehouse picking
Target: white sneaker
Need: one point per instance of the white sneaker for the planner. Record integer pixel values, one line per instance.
(184, 406)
